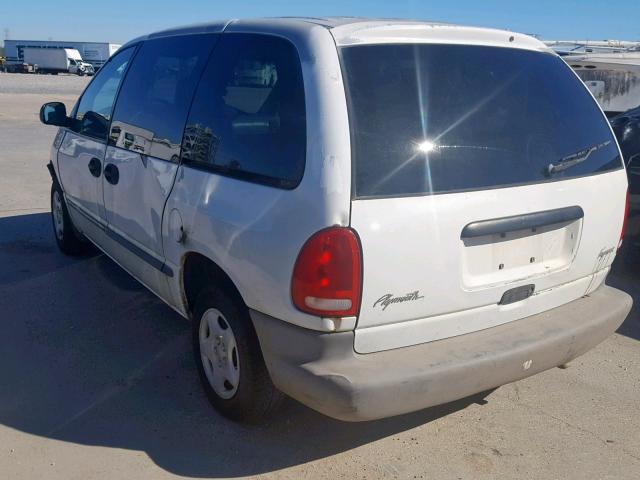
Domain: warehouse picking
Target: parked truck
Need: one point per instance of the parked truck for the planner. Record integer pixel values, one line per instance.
(55, 60)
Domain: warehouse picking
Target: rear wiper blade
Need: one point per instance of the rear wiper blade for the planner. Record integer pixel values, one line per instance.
(574, 158)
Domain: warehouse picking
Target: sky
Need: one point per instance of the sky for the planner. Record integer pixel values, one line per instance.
(120, 21)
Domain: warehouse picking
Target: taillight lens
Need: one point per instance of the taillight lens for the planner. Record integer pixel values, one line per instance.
(327, 276)
(624, 221)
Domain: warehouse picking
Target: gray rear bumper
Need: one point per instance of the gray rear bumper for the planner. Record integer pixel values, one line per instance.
(323, 371)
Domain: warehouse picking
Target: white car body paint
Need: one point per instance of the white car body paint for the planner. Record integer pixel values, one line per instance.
(422, 250)
(255, 232)
(393, 31)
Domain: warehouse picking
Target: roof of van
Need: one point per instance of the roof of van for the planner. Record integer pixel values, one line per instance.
(358, 30)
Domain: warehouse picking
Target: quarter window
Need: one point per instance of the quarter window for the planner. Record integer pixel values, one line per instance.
(248, 115)
(154, 100)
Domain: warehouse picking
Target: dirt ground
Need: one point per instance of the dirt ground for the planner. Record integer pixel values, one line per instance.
(97, 379)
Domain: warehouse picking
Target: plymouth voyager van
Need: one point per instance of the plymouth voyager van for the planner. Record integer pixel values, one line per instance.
(370, 216)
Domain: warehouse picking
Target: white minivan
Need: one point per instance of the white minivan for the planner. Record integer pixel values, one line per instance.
(370, 216)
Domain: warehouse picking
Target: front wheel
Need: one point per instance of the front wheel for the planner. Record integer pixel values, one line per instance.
(67, 237)
(229, 359)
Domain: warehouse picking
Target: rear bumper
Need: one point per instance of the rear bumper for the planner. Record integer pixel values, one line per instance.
(323, 371)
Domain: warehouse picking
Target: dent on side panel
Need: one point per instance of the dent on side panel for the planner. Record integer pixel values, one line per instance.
(78, 184)
(143, 181)
(255, 232)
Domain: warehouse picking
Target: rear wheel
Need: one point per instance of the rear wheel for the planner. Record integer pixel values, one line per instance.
(67, 238)
(229, 359)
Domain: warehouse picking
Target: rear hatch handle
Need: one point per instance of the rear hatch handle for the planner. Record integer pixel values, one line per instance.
(525, 221)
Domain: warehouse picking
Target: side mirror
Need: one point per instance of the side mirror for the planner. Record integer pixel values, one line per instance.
(54, 113)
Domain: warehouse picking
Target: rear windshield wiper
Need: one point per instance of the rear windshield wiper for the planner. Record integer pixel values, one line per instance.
(574, 158)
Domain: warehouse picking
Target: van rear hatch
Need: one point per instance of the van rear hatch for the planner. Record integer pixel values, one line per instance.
(487, 187)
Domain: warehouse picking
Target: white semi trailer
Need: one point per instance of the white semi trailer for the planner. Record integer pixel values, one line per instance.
(57, 60)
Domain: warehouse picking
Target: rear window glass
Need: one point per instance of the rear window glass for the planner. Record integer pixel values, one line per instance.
(443, 118)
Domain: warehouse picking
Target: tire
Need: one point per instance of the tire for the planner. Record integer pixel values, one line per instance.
(239, 386)
(67, 238)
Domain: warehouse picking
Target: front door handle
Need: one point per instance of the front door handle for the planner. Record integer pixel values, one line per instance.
(95, 167)
(111, 173)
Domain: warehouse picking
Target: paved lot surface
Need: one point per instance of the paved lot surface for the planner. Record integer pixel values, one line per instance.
(97, 381)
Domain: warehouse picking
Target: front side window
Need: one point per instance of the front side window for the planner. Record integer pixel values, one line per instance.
(93, 113)
(429, 119)
(155, 97)
(248, 117)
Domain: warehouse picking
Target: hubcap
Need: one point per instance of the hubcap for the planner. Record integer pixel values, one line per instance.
(58, 215)
(219, 353)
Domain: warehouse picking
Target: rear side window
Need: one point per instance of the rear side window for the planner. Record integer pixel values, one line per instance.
(248, 115)
(429, 119)
(154, 99)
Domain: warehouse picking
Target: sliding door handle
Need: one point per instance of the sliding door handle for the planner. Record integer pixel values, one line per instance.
(111, 173)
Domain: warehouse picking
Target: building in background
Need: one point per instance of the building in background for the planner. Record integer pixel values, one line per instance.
(95, 53)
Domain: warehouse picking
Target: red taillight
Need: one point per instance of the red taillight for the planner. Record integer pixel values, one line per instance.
(624, 221)
(327, 276)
